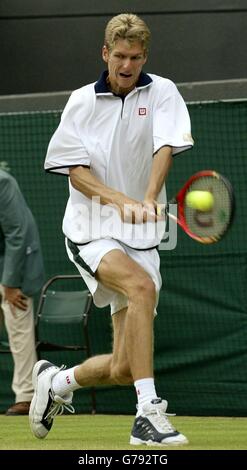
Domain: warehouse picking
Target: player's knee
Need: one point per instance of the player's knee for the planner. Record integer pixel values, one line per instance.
(145, 289)
(149, 288)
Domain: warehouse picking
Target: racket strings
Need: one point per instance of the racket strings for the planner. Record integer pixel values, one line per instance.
(212, 223)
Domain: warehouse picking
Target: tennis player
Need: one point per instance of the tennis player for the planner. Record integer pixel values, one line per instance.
(116, 142)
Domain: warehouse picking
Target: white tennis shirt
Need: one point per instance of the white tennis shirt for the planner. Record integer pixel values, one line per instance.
(117, 139)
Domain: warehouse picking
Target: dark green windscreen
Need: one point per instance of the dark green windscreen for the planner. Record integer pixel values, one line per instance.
(201, 329)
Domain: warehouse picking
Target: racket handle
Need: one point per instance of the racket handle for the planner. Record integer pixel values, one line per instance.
(162, 209)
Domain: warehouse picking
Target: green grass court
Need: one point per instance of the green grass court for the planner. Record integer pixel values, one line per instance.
(111, 432)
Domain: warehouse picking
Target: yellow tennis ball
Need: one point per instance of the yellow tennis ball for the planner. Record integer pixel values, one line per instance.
(200, 200)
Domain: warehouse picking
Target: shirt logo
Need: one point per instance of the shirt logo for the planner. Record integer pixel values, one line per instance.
(142, 111)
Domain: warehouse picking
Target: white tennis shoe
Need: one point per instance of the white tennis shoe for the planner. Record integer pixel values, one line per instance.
(152, 427)
(45, 405)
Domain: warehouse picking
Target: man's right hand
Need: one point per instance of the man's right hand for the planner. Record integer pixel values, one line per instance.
(136, 212)
(15, 297)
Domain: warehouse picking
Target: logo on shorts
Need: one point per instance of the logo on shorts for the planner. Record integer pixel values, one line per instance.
(142, 111)
(68, 379)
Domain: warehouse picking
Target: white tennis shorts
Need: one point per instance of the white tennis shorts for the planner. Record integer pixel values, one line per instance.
(87, 258)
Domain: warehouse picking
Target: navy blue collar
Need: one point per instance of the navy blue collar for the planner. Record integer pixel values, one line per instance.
(101, 85)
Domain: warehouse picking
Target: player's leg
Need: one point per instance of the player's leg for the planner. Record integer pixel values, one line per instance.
(105, 369)
(54, 387)
(151, 425)
(98, 370)
(119, 272)
(120, 368)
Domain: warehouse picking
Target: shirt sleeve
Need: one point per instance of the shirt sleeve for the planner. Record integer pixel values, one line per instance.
(14, 226)
(171, 120)
(66, 148)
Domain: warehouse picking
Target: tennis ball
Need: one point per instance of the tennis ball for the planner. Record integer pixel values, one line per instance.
(200, 200)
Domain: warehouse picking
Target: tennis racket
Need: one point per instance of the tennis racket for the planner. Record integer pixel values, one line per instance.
(205, 226)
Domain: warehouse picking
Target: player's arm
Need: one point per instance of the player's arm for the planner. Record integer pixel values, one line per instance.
(84, 181)
(162, 161)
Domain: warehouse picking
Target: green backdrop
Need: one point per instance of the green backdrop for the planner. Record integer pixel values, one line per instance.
(201, 329)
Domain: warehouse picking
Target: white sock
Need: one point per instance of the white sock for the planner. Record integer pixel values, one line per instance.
(145, 391)
(64, 382)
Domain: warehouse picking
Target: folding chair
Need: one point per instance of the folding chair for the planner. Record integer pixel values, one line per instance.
(62, 320)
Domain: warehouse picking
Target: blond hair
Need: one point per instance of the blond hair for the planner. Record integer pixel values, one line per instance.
(127, 26)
